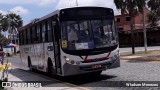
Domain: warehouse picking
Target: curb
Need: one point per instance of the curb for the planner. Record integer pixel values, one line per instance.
(65, 83)
(141, 59)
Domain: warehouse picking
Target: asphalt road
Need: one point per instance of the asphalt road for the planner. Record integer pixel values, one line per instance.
(129, 71)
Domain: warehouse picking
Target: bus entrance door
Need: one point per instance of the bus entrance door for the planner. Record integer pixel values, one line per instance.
(56, 49)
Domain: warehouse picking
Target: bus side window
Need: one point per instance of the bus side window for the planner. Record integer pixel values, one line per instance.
(43, 32)
(54, 29)
(29, 35)
(26, 36)
(46, 32)
(22, 38)
(33, 34)
(35, 37)
(49, 31)
(57, 31)
(38, 38)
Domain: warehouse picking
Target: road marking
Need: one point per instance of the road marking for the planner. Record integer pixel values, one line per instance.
(66, 83)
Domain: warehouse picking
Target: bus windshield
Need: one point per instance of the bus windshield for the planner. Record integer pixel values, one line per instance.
(88, 34)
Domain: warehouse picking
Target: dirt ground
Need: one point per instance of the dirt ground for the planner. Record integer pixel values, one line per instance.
(142, 53)
(153, 55)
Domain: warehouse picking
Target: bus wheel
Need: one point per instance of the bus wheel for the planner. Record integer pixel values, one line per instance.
(30, 65)
(96, 73)
(51, 71)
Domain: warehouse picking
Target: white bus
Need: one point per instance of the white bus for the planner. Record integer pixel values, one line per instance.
(71, 41)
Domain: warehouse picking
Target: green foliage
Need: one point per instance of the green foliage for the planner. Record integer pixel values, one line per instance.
(3, 22)
(131, 7)
(154, 16)
(10, 22)
(3, 40)
(15, 21)
(154, 4)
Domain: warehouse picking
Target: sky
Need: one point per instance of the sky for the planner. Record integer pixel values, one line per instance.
(31, 9)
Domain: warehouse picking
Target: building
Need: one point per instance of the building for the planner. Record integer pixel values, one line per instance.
(123, 21)
(14, 38)
(123, 24)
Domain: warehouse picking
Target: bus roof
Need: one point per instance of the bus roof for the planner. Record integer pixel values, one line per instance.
(52, 14)
(39, 19)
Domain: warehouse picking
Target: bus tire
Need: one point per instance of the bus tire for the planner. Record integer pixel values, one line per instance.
(50, 68)
(95, 73)
(30, 64)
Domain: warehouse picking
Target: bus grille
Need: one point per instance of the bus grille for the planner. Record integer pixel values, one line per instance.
(93, 60)
(89, 68)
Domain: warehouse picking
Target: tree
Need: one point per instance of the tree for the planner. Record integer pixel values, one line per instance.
(131, 7)
(3, 23)
(154, 14)
(10, 23)
(14, 22)
(1, 17)
(3, 26)
(153, 18)
(3, 40)
(154, 5)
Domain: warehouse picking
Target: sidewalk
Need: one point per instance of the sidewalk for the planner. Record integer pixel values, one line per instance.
(20, 73)
(151, 55)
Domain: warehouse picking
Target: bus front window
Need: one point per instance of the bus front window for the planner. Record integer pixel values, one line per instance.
(79, 35)
(104, 33)
(75, 35)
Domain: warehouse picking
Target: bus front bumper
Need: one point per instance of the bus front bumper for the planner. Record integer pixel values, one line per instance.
(70, 69)
(100, 65)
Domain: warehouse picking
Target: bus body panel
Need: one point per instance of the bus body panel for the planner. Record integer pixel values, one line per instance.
(112, 61)
(38, 54)
(49, 54)
(72, 63)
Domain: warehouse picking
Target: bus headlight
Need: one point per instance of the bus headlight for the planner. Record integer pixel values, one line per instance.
(67, 59)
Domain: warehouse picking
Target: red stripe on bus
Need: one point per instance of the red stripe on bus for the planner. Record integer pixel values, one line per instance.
(102, 58)
(85, 58)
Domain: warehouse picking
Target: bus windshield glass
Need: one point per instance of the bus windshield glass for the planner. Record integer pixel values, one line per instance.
(88, 34)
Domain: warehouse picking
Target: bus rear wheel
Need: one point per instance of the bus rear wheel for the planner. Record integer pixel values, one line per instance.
(51, 71)
(96, 73)
(30, 65)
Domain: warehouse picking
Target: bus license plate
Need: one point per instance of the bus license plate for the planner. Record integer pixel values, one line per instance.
(96, 66)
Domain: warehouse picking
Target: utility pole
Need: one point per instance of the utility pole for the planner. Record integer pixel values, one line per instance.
(70, 2)
(144, 30)
(77, 3)
(9, 26)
